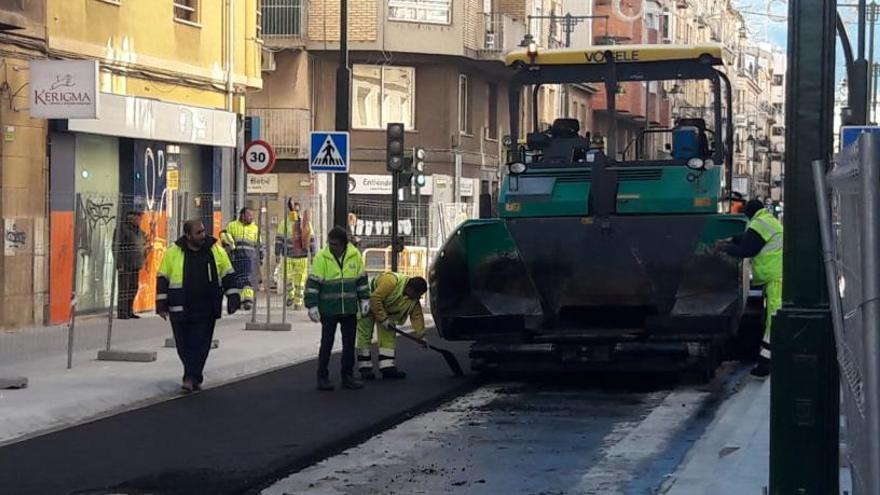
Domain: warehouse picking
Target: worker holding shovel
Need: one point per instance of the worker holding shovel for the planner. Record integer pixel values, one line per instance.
(394, 298)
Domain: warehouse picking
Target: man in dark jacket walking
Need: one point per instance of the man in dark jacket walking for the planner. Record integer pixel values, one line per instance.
(130, 249)
(194, 275)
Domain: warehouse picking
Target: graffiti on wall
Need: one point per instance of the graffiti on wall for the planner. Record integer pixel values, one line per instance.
(154, 174)
(95, 224)
(14, 239)
(98, 213)
(158, 203)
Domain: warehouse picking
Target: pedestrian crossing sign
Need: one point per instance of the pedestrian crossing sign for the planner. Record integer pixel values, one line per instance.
(329, 152)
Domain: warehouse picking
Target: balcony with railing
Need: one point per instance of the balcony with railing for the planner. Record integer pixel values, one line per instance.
(286, 129)
(501, 33)
(282, 23)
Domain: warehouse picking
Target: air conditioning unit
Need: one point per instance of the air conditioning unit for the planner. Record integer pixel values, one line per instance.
(267, 63)
(490, 41)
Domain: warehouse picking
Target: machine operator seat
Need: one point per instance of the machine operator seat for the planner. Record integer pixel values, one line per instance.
(689, 139)
(566, 145)
(565, 128)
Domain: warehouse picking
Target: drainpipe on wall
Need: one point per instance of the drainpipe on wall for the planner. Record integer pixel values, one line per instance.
(229, 54)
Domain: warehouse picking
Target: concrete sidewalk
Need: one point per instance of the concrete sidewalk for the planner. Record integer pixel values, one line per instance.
(732, 456)
(57, 397)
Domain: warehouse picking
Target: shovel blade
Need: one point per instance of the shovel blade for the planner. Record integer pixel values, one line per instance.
(451, 361)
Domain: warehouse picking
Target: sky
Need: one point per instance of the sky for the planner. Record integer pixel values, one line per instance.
(763, 27)
(773, 28)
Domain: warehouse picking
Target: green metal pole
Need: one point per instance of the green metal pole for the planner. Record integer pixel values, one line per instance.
(804, 401)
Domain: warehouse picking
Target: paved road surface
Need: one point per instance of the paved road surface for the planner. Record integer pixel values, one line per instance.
(231, 439)
(546, 438)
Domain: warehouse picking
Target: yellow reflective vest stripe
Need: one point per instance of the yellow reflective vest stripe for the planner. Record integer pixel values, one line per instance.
(336, 287)
(387, 301)
(767, 264)
(245, 236)
(169, 279)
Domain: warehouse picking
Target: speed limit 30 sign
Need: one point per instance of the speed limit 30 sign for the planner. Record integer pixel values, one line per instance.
(259, 157)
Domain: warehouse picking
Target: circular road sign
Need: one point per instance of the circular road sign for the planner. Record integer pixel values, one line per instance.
(259, 157)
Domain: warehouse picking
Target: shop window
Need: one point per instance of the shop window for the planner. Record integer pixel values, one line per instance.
(187, 11)
(382, 94)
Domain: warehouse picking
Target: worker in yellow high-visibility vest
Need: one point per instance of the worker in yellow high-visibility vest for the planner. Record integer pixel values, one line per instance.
(762, 242)
(294, 240)
(394, 298)
(242, 238)
(194, 275)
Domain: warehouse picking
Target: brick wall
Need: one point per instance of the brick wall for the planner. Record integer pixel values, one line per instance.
(513, 8)
(625, 31)
(363, 18)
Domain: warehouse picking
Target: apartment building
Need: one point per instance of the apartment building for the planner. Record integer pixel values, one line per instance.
(159, 93)
(434, 66)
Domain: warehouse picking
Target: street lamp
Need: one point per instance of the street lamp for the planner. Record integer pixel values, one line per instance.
(528, 42)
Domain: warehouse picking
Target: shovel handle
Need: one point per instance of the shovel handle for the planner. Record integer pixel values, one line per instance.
(408, 336)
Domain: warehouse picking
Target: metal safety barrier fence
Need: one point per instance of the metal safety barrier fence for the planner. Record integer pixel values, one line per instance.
(848, 201)
(79, 269)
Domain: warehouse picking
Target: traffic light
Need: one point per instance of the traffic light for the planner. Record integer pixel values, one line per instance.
(394, 147)
(419, 167)
(406, 173)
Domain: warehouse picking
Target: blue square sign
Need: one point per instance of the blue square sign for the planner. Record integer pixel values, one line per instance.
(329, 152)
(849, 134)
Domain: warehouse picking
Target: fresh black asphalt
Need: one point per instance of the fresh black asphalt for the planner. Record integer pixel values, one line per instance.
(231, 439)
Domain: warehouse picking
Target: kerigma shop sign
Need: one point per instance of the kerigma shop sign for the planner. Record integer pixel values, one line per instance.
(64, 89)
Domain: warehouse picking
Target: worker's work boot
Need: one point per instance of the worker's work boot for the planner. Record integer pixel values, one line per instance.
(762, 369)
(351, 383)
(393, 373)
(247, 305)
(325, 385)
(367, 374)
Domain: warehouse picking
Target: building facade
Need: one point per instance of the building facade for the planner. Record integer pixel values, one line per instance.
(777, 130)
(433, 66)
(169, 79)
(24, 174)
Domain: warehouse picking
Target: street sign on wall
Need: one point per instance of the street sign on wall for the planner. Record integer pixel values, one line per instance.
(380, 185)
(259, 157)
(329, 152)
(63, 89)
(262, 184)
